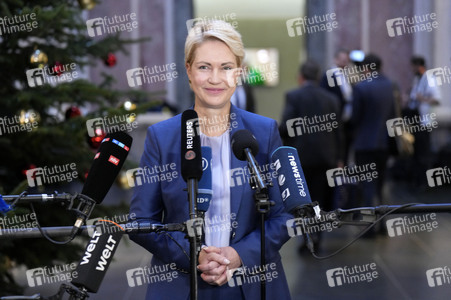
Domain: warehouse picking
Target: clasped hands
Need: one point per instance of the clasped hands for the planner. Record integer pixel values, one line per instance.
(215, 262)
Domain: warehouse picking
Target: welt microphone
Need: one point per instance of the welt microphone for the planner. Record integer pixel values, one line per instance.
(98, 256)
(107, 163)
(205, 191)
(291, 181)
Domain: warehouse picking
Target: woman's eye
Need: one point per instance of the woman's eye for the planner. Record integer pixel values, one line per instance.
(203, 67)
(227, 68)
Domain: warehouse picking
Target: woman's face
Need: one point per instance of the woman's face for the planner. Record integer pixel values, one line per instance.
(210, 74)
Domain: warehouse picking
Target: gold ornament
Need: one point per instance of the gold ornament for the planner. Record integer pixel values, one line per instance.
(38, 58)
(87, 4)
(28, 117)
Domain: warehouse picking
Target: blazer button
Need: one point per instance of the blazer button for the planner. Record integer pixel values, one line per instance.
(233, 235)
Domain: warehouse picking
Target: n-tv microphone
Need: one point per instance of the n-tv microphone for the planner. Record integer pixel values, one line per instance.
(245, 147)
(205, 189)
(292, 183)
(97, 256)
(107, 163)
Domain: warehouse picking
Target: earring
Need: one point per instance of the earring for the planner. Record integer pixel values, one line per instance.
(189, 80)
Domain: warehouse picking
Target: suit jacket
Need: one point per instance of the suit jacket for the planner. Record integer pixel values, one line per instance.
(166, 202)
(314, 148)
(373, 105)
(336, 90)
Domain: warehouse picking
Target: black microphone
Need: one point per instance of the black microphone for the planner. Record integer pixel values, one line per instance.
(205, 191)
(107, 163)
(98, 255)
(245, 147)
(291, 181)
(191, 149)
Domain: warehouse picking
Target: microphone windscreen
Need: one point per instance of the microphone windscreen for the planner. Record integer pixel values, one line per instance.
(190, 147)
(205, 189)
(97, 257)
(291, 179)
(107, 163)
(241, 140)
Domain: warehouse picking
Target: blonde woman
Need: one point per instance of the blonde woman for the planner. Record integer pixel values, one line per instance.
(213, 50)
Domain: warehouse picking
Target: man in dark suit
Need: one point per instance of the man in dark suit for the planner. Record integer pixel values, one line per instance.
(374, 104)
(310, 123)
(343, 91)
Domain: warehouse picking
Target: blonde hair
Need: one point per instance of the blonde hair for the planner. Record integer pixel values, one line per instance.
(213, 30)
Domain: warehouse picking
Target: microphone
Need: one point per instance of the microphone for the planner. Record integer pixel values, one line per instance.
(205, 191)
(107, 163)
(293, 187)
(292, 183)
(98, 255)
(191, 149)
(245, 147)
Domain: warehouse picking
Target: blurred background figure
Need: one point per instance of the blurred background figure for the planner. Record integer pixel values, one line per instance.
(244, 97)
(373, 106)
(343, 92)
(422, 97)
(306, 109)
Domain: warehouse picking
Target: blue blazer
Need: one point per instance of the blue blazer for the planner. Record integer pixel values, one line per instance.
(166, 202)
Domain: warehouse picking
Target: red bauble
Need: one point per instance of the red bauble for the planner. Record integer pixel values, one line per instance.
(72, 112)
(95, 141)
(58, 68)
(110, 60)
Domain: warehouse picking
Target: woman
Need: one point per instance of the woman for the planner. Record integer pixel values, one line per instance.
(213, 51)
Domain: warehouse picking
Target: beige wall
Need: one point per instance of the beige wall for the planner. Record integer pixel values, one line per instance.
(267, 34)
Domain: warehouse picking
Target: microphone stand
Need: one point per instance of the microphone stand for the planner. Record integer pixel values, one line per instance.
(193, 236)
(81, 293)
(263, 206)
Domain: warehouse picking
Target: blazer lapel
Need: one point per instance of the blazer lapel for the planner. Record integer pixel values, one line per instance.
(237, 174)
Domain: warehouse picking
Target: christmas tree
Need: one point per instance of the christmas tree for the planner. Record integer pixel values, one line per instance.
(44, 49)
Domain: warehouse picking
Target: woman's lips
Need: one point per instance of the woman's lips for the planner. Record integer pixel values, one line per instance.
(214, 91)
